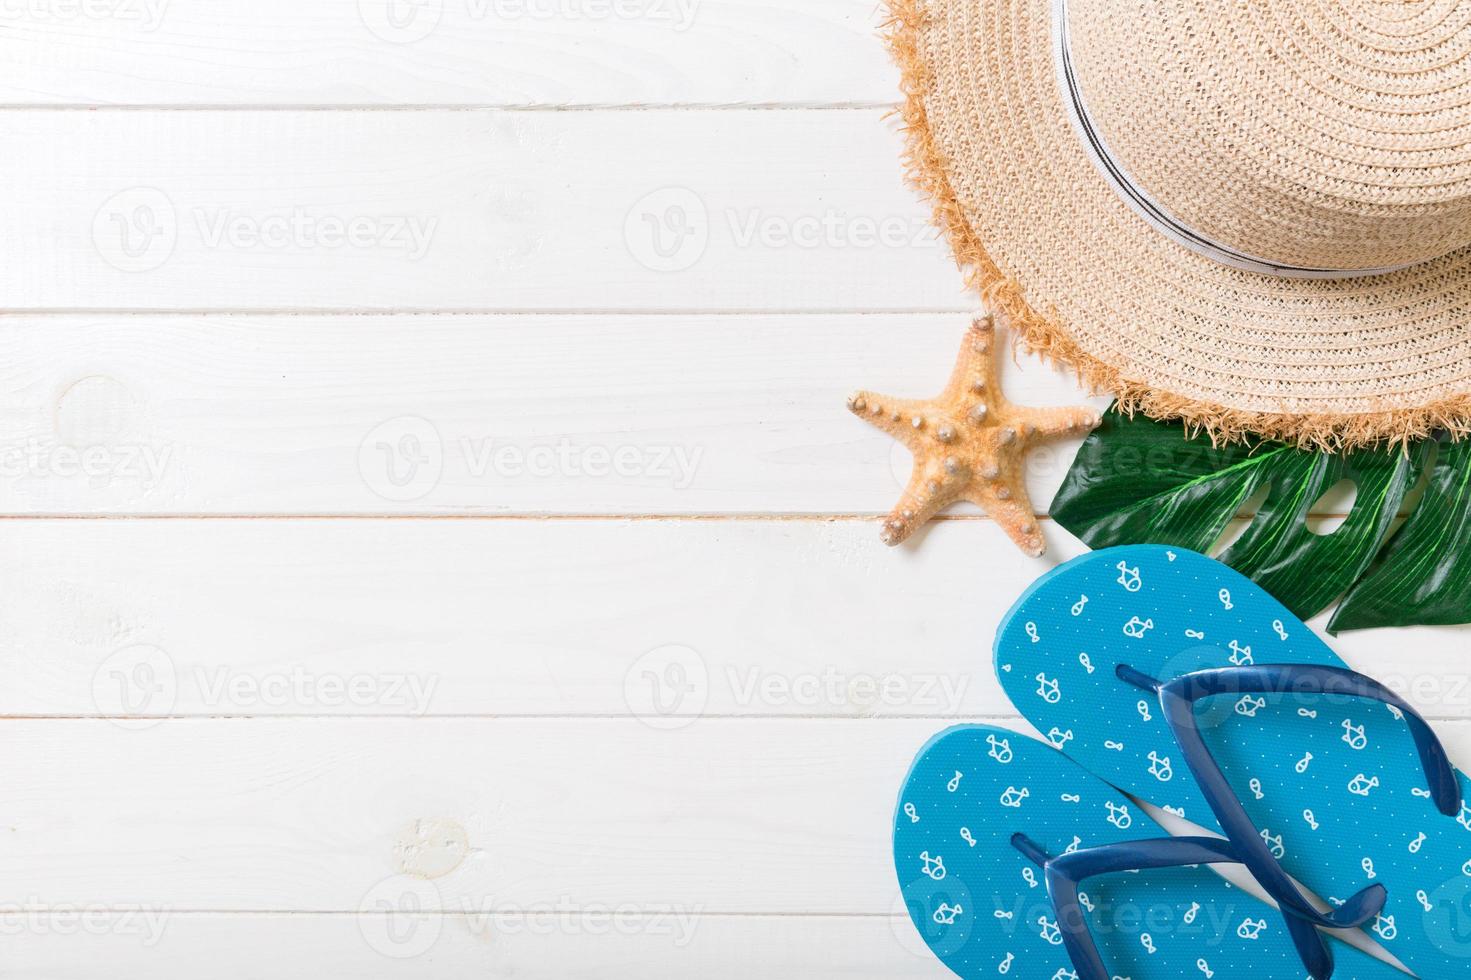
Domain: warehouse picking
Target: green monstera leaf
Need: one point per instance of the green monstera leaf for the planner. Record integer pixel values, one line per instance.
(1138, 481)
(1424, 574)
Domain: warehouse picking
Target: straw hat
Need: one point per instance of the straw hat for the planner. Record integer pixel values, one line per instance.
(1254, 215)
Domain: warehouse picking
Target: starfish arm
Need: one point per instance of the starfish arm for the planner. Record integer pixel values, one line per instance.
(923, 498)
(1053, 422)
(1016, 519)
(1006, 501)
(893, 415)
(975, 367)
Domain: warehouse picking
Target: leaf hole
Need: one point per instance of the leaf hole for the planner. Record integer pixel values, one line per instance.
(1330, 510)
(1416, 493)
(1237, 526)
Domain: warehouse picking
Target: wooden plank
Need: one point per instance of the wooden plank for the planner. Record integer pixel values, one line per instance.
(465, 815)
(565, 946)
(797, 210)
(460, 814)
(502, 414)
(675, 622)
(450, 52)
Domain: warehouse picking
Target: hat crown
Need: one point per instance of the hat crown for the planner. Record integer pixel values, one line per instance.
(1308, 133)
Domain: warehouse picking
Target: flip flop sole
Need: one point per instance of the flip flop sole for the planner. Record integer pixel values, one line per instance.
(982, 907)
(1333, 783)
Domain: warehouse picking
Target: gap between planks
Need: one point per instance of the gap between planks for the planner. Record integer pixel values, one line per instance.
(453, 107)
(968, 309)
(741, 518)
(1003, 720)
(455, 914)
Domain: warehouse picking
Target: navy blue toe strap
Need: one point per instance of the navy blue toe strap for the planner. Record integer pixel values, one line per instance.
(1066, 873)
(1177, 699)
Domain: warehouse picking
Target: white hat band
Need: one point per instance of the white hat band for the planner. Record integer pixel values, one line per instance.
(1145, 204)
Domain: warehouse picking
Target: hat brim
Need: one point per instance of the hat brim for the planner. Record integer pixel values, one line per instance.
(1080, 277)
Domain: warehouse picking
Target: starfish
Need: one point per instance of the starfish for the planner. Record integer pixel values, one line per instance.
(969, 444)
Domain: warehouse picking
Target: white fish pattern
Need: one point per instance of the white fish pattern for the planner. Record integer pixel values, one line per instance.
(983, 907)
(1334, 785)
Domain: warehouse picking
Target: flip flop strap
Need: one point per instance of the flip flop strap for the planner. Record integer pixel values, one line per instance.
(1177, 699)
(1066, 873)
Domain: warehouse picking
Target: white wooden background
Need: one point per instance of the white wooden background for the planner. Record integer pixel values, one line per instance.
(435, 543)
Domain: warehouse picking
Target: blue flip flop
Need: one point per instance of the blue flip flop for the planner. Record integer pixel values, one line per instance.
(1181, 682)
(999, 845)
